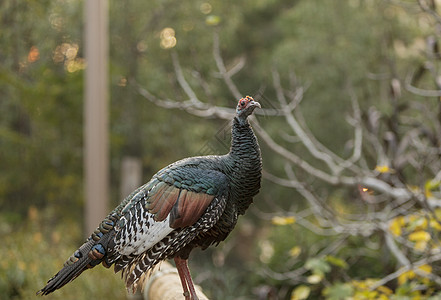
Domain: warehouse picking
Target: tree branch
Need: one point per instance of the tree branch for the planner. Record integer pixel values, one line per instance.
(221, 67)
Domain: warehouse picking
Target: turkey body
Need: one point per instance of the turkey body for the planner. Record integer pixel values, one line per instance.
(194, 202)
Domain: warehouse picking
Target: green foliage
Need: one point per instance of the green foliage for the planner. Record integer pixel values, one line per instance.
(40, 136)
(338, 291)
(35, 251)
(346, 274)
(317, 266)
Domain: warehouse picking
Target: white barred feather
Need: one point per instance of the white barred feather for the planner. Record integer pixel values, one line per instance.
(141, 232)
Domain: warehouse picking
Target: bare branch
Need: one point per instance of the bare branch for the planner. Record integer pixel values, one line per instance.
(203, 84)
(291, 156)
(181, 79)
(390, 243)
(418, 91)
(370, 182)
(221, 67)
(295, 276)
(196, 108)
(234, 69)
(298, 129)
(358, 131)
(413, 266)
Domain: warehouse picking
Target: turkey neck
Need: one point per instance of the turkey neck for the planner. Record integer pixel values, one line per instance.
(244, 144)
(244, 164)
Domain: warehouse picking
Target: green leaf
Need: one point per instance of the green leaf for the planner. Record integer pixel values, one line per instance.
(338, 262)
(317, 265)
(403, 290)
(338, 291)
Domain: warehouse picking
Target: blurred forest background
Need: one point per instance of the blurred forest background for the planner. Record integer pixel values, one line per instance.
(350, 134)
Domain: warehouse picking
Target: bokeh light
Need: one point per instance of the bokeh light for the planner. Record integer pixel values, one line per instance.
(168, 39)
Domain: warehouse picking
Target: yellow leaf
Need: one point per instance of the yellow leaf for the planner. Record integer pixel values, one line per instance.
(419, 236)
(314, 279)
(435, 225)
(383, 169)
(301, 292)
(432, 185)
(283, 220)
(409, 275)
(396, 225)
(420, 245)
(371, 294)
(428, 193)
(403, 278)
(385, 290)
(212, 20)
(295, 251)
(426, 268)
(361, 285)
(417, 296)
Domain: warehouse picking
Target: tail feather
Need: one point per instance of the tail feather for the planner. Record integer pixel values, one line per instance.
(90, 254)
(70, 271)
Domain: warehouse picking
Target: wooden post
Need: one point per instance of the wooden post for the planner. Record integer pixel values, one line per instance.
(164, 284)
(131, 175)
(96, 113)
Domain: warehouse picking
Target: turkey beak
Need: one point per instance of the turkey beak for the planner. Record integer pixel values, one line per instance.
(254, 104)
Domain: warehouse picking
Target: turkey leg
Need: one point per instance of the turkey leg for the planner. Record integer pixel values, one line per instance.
(187, 282)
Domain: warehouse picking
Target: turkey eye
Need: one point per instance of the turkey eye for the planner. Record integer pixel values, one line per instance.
(242, 103)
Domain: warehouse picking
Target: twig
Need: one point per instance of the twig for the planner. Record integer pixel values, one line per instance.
(418, 91)
(181, 79)
(413, 266)
(221, 67)
(298, 129)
